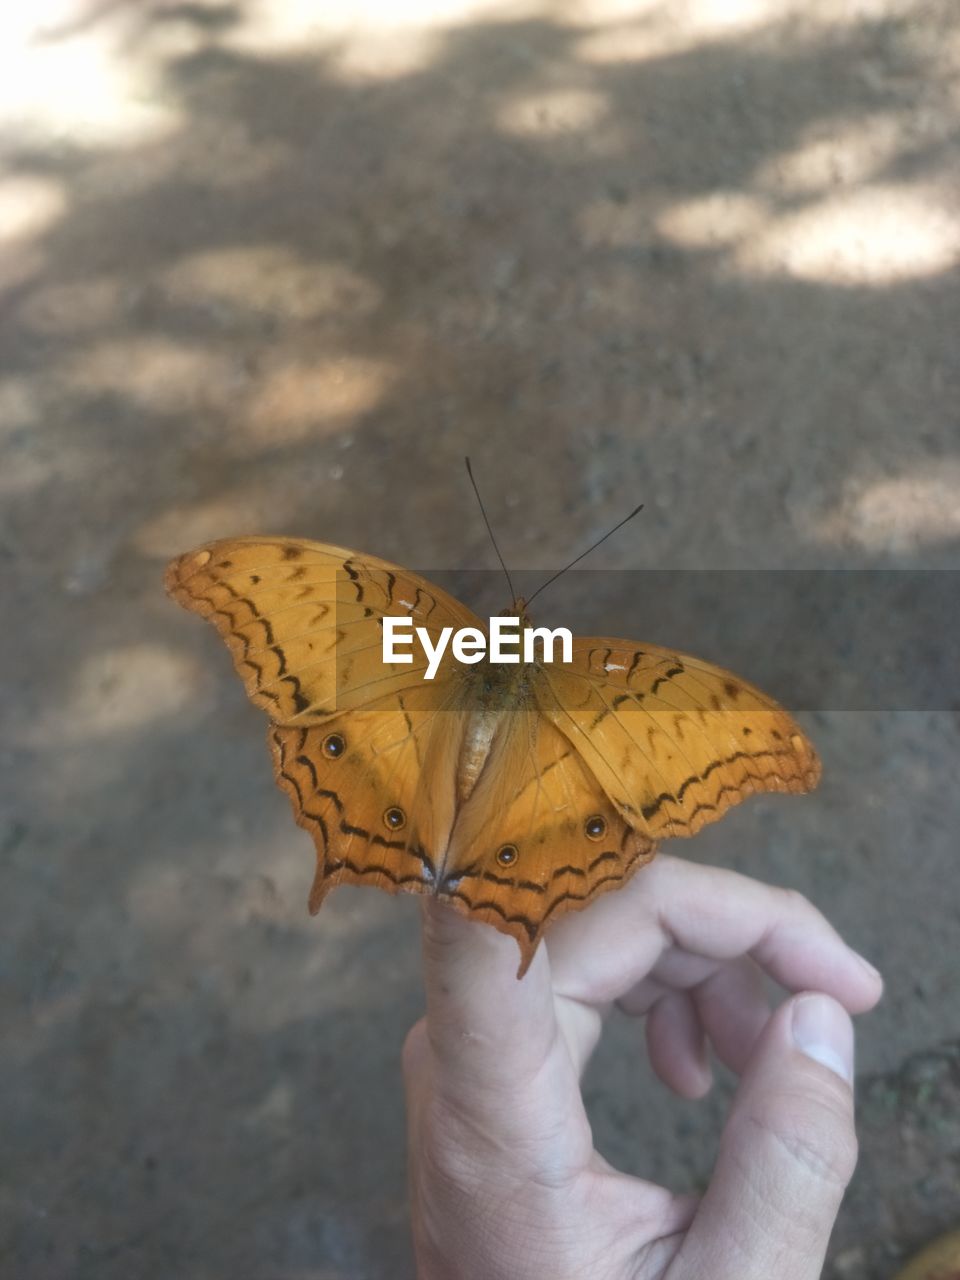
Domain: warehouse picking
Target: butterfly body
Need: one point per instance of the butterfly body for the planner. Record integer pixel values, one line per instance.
(515, 791)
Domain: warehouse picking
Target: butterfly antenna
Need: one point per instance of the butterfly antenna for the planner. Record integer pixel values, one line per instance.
(608, 534)
(513, 594)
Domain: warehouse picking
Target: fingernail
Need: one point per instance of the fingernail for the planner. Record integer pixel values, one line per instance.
(823, 1031)
(874, 973)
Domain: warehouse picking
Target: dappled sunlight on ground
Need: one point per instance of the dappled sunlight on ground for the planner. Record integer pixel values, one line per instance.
(270, 281)
(28, 205)
(79, 88)
(296, 398)
(899, 516)
(719, 219)
(562, 111)
(119, 689)
(153, 372)
(838, 153)
(870, 236)
(873, 236)
(828, 205)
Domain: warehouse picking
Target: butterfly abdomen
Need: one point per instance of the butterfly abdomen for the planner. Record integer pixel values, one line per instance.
(491, 694)
(479, 734)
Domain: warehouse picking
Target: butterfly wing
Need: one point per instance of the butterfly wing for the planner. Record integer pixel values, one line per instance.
(365, 750)
(620, 747)
(537, 836)
(673, 740)
(376, 789)
(303, 621)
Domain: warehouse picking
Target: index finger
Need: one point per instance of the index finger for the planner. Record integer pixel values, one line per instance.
(603, 952)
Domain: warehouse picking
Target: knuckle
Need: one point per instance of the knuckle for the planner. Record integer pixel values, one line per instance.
(829, 1159)
(796, 904)
(816, 1134)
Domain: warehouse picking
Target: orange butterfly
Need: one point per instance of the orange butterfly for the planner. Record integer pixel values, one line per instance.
(514, 792)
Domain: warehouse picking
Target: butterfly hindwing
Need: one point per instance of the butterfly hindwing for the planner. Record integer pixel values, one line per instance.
(537, 837)
(376, 790)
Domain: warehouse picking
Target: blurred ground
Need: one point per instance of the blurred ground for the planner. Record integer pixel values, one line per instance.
(277, 267)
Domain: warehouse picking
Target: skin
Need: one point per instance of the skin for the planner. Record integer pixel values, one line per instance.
(505, 1183)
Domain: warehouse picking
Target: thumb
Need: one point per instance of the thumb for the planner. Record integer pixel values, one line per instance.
(786, 1155)
(487, 1029)
(500, 1066)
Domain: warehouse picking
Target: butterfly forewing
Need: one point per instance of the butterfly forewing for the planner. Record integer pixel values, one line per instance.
(673, 741)
(303, 621)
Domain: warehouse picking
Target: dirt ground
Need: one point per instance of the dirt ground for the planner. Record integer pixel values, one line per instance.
(277, 268)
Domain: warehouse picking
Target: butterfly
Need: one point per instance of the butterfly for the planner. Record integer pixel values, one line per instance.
(516, 793)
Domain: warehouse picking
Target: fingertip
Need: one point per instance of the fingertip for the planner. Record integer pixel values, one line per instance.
(821, 1029)
(442, 923)
(677, 1046)
(872, 976)
(459, 946)
(689, 1074)
(683, 1074)
(698, 1083)
(857, 985)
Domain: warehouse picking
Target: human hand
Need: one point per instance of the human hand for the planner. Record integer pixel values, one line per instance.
(505, 1182)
